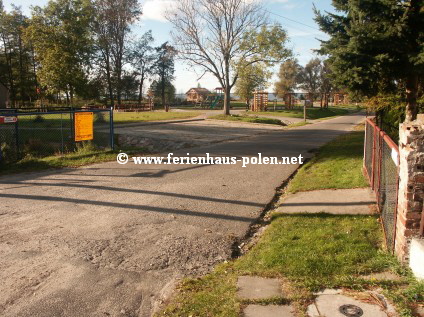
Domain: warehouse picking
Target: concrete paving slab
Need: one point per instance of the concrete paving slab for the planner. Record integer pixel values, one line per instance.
(329, 291)
(334, 201)
(419, 311)
(268, 311)
(253, 287)
(329, 305)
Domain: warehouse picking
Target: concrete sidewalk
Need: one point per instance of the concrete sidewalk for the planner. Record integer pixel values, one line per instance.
(357, 201)
(330, 302)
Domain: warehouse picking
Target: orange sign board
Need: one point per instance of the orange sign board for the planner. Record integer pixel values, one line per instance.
(83, 126)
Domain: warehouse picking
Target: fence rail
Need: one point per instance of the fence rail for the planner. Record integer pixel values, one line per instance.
(39, 134)
(381, 165)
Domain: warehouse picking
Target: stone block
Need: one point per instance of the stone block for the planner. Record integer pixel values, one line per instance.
(253, 287)
(268, 311)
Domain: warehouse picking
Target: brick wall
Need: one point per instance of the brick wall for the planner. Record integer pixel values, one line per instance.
(411, 185)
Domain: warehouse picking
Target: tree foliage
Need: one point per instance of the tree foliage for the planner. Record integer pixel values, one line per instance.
(376, 46)
(252, 77)
(217, 36)
(163, 68)
(288, 77)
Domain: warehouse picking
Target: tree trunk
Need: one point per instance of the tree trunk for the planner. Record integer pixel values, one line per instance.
(109, 82)
(140, 91)
(411, 98)
(227, 100)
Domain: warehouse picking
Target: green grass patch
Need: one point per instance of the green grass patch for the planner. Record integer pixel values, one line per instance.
(309, 253)
(84, 155)
(311, 113)
(338, 164)
(250, 119)
(130, 117)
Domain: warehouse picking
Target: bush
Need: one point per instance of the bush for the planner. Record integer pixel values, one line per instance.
(85, 147)
(38, 119)
(7, 153)
(38, 148)
(99, 117)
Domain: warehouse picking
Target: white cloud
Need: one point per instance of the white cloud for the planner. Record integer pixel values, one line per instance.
(156, 9)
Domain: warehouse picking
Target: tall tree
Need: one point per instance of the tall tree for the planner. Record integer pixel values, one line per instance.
(61, 37)
(142, 59)
(16, 62)
(288, 77)
(309, 77)
(112, 26)
(251, 78)
(219, 35)
(326, 83)
(164, 69)
(164, 91)
(376, 46)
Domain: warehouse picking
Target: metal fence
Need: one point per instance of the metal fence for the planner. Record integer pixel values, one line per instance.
(381, 162)
(30, 133)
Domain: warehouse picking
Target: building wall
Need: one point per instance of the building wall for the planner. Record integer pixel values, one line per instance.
(411, 185)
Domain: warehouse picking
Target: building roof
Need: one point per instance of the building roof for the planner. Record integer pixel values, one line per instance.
(199, 90)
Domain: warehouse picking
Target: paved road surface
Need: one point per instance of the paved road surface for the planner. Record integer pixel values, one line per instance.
(109, 240)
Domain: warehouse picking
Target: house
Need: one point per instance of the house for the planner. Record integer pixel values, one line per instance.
(197, 94)
(4, 96)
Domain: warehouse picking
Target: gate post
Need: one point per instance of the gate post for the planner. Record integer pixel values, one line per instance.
(411, 187)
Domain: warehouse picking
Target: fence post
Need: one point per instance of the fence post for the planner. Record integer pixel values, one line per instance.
(71, 117)
(17, 139)
(411, 186)
(111, 130)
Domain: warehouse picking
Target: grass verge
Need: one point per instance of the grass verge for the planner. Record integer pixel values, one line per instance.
(82, 156)
(311, 113)
(307, 252)
(250, 119)
(131, 117)
(338, 164)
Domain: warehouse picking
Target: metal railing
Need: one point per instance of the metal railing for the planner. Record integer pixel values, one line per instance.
(381, 165)
(40, 134)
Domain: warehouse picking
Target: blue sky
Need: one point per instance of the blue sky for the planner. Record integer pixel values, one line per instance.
(303, 38)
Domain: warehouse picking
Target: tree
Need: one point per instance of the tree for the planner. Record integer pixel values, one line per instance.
(112, 22)
(60, 35)
(164, 69)
(218, 36)
(288, 78)
(251, 78)
(164, 91)
(309, 77)
(376, 46)
(326, 83)
(142, 59)
(16, 56)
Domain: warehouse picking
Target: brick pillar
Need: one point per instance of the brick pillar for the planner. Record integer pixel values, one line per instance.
(411, 185)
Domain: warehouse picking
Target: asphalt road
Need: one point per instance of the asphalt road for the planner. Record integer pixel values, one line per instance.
(110, 239)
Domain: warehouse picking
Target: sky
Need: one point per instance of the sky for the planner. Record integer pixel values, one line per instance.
(296, 16)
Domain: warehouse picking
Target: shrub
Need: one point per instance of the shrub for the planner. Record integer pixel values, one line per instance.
(38, 119)
(99, 117)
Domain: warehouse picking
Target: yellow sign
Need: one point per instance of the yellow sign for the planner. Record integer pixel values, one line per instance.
(83, 126)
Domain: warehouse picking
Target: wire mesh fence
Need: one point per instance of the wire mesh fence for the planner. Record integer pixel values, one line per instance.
(381, 161)
(40, 134)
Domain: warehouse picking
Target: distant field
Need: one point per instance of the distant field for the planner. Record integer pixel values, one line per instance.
(250, 119)
(129, 117)
(311, 113)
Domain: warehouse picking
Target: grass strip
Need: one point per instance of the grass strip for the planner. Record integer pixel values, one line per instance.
(251, 119)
